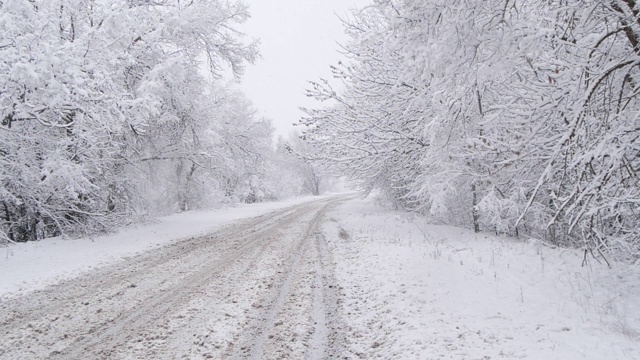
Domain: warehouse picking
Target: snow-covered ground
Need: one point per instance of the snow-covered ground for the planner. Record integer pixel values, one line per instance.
(260, 288)
(378, 284)
(30, 266)
(416, 291)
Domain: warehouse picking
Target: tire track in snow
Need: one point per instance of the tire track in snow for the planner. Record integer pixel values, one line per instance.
(48, 322)
(43, 304)
(320, 336)
(269, 322)
(326, 341)
(147, 305)
(162, 305)
(297, 322)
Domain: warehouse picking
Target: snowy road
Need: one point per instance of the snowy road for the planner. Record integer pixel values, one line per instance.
(260, 288)
(333, 279)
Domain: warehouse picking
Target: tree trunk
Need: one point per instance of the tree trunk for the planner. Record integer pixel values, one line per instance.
(474, 209)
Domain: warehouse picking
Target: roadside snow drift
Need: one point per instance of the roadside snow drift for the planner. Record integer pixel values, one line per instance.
(416, 291)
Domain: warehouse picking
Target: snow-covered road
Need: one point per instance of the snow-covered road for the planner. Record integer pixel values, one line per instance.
(330, 278)
(260, 288)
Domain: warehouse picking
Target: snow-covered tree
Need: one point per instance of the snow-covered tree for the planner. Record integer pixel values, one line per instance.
(314, 178)
(82, 83)
(515, 116)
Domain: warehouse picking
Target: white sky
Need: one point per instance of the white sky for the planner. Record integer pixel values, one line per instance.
(299, 40)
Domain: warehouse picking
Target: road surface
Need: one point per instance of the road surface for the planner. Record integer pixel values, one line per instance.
(262, 288)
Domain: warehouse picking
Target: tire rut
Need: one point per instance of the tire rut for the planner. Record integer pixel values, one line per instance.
(43, 303)
(111, 295)
(163, 304)
(167, 303)
(297, 309)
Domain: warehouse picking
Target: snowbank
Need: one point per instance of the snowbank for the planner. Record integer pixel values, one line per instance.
(418, 291)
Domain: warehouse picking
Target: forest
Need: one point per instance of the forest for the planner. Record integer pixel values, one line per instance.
(115, 110)
(516, 117)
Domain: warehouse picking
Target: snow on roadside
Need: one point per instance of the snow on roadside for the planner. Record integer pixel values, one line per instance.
(416, 291)
(30, 266)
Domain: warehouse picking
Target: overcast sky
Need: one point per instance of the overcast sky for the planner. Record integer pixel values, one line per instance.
(299, 40)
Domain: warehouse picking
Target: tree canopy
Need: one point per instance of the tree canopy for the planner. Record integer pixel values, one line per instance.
(514, 116)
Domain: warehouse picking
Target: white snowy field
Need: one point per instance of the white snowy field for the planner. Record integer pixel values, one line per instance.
(30, 266)
(411, 290)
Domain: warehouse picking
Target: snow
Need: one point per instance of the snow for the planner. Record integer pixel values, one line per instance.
(406, 289)
(411, 290)
(30, 266)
